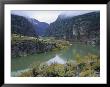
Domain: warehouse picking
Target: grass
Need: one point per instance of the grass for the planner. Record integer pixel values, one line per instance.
(19, 38)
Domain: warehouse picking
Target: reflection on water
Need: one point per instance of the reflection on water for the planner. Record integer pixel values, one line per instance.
(56, 59)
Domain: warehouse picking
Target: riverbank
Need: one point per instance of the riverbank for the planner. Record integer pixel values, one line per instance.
(88, 66)
(25, 45)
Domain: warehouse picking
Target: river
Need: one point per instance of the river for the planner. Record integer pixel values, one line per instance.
(69, 53)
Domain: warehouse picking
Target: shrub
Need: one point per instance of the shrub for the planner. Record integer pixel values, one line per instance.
(86, 73)
(86, 66)
(26, 74)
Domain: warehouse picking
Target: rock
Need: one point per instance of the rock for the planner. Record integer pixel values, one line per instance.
(25, 48)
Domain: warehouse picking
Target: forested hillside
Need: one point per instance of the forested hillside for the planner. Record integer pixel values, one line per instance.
(21, 25)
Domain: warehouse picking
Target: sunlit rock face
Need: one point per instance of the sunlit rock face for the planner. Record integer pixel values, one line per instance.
(56, 59)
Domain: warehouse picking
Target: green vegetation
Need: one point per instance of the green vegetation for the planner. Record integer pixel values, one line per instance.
(88, 66)
(19, 38)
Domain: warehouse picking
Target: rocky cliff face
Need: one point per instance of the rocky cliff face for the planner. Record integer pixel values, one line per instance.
(28, 47)
(84, 27)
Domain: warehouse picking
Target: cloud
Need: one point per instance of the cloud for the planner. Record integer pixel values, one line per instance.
(47, 16)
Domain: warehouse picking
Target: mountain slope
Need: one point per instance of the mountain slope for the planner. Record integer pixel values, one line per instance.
(21, 25)
(84, 27)
(40, 27)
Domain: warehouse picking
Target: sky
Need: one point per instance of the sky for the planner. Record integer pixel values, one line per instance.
(48, 16)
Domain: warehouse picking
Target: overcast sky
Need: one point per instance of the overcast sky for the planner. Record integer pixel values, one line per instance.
(47, 16)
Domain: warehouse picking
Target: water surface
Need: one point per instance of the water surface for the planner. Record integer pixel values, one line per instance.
(69, 53)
